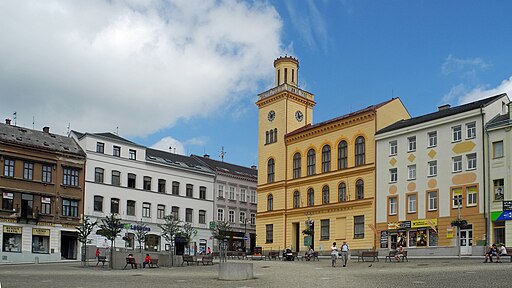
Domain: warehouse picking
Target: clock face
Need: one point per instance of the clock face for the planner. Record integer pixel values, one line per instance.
(271, 115)
(299, 116)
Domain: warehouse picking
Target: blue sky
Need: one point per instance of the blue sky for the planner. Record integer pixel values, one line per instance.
(186, 74)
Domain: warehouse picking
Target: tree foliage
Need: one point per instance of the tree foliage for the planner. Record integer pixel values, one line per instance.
(170, 228)
(187, 232)
(110, 228)
(84, 230)
(221, 231)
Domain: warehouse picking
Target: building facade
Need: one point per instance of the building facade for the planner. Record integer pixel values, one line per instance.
(430, 172)
(42, 189)
(235, 201)
(143, 185)
(316, 183)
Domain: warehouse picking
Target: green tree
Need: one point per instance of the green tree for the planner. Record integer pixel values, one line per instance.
(110, 228)
(188, 232)
(170, 229)
(221, 231)
(84, 230)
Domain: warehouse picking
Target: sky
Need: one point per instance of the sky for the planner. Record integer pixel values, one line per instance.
(186, 74)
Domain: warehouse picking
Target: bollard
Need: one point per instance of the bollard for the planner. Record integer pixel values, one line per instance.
(36, 260)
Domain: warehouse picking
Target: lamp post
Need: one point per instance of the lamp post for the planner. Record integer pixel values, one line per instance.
(459, 202)
(245, 233)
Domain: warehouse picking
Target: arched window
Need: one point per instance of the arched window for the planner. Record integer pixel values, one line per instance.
(311, 197)
(311, 162)
(296, 165)
(359, 189)
(360, 151)
(270, 171)
(275, 134)
(270, 202)
(271, 136)
(342, 155)
(326, 158)
(296, 199)
(342, 192)
(325, 195)
(267, 139)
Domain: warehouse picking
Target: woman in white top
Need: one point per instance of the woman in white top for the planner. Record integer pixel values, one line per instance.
(334, 254)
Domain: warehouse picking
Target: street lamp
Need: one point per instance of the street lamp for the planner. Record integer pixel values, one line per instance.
(245, 221)
(459, 202)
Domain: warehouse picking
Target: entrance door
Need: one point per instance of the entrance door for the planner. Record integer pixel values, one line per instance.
(466, 241)
(68, 245)
(296, 237)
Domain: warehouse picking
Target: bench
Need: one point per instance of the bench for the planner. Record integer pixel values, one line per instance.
(101, 259)
(509, 253)
(153, 263)
(390, 256)
(315, 257)
(273, 255)
(131, 261)
(369, 254)
(189, 259)
(207, 259)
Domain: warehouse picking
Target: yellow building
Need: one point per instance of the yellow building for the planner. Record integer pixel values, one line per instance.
(323, 172)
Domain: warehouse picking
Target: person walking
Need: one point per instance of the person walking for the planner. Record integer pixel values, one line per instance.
(334, 254)
(147, 260)
(98, 253)
(344, 253)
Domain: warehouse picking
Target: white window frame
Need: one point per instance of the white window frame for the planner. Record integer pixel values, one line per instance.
(220, 191)
(393, 148)
(471, 130)
(231, 193)
(471, 197)
(458, 195)
(231, 216)
(243, 195)
(500, 153)
(471, 159)
(393, 175)
(457, 164)
(220, 214)
(393, 205)
(411, 203)
(432, 201)
(456, 133)
(411, 144)
(411, 172)
(432, 168)
(253, 218)
(242, 217)
(432, 139)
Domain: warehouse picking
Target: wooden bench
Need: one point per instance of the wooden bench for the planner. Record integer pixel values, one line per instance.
(273, 255)
(131, 262)
(189, 259)
(369, 254)
(315, 256)
(101, 259)
(207, 259)
(390, 256)
(153, 263)
(509, 253)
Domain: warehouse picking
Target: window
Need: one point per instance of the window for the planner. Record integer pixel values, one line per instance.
(243, 194)
(270, 202)
(220, 192)
(146, 209)
(114, 205)
(71, 177)
(175, 212)
(98, 203)
(324, 229)
(231, 193)
(311, 197)
(270, 171)
(432, 139)
(412, 144)
(160, 211)
(161, 185)
(188, 215)
(432, 201)
(325, 195)
(411, 203)
(130, 208)
(457, 164)
(269, 235)
(202, 217)
(189, 190)
(392, 205)
(359, 227)
(456, 133)
(131, 180)
(393, 175)
(47, 174)
(342, 192)
(311, 162)
(498, 189)
(360, 151)
(253, 218)
(342, 155)
(147, 183)
(241, 217)
(411, 172)
(98, 175)
(393, 148)
(202, 192)
(359, 189)
(28, 170)
(497, 149)
(326, 158)
(432, 168)
(100, 147)
(116, 178)
(175, 188)
(46, 205)
(116, 151)
(471, 195)
(132, 154)
(7, 201)
(253, 196)
(471, 130)
(220, 214)
(296, 165)
(8, 168)
(267, 138)
(296, 199)
(457, 197)
(231, 216)
(69, 208)
(471, 159)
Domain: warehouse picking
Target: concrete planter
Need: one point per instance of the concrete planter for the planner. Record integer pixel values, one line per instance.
(235, 271)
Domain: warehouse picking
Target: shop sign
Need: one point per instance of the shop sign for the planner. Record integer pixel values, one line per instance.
(399, 225)
(7, 195)
(40, 232)
(9, 220)
(423, 223)
(47, 224)
(213, 225)
(13, 229)
(449, 233)
(136, 227)
(383, 239)
(307, 241)
(507, 205)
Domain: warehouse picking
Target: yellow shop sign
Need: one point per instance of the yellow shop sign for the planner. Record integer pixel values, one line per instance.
(423, 223)
(13, 229)
(40, 232)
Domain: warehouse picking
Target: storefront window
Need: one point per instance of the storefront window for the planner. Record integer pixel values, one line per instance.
(401, 239)
(12, 239)
(499, 232)
(152, 243)
(40, 244)
(412, 238)
(432, 237)
(421, 238)
(392, 240)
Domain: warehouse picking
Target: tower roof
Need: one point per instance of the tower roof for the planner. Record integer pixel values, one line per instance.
(286, 58)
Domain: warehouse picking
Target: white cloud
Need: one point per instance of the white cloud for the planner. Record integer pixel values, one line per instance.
(308, 22)
(463, 67)
(139, 65)
(484, 92)
(170, 144)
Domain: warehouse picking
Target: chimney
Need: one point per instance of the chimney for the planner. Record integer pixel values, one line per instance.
(444, 107)
(253, 167)
(7, 121)
(206, 156)
(509, 110)
(46, 129)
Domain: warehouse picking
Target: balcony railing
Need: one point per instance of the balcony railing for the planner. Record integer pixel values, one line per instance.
(286, 87)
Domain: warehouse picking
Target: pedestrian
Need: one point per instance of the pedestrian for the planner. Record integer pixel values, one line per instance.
(147, 260)
(98, 253)
(334, 254)
(344, 253)
(209, 251)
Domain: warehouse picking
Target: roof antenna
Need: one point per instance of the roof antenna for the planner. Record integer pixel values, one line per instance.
(117, 130)
(222, 153)
(33, 122)
(69, 126)
(14, 117)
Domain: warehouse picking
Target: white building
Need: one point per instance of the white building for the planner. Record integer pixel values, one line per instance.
(143, 185)
(424, 166)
